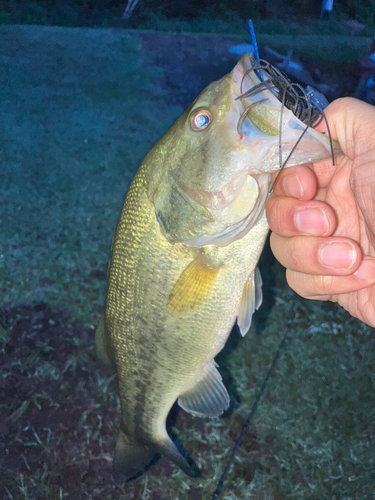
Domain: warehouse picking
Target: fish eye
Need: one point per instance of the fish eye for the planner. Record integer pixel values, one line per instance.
(200, 119)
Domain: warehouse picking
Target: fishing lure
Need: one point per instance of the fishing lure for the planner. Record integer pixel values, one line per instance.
(292, 96)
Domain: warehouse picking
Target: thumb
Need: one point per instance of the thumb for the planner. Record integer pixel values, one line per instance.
(362, 183)
(352, 123)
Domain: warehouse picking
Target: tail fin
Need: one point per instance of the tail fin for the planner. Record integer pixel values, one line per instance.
(169, 449)
(132, 457)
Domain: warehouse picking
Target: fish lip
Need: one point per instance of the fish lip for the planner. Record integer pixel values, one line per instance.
(246, 79)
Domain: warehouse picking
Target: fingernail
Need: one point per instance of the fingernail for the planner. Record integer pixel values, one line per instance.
(311, 221)
(341, 255)
(366, 270)
(292, 186)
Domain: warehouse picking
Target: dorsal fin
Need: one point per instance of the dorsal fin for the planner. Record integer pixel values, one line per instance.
(101, 348)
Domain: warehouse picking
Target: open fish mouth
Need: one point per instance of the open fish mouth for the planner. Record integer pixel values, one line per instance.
(291, 95)
(284, 111)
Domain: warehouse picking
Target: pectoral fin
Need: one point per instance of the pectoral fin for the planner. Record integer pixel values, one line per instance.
(208, 397)
(251, 300)
(193, 286)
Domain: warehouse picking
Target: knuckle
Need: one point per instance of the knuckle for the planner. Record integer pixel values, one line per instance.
(295, 281)
(311, 286)
(273, 213)
(298, 256)
(324, 284)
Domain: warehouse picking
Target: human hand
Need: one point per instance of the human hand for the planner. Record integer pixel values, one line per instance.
(323, 216)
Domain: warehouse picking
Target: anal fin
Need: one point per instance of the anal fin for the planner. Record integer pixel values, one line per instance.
(207, 397)
(251, 300)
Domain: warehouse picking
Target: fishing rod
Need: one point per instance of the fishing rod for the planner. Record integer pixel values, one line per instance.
(223, 477)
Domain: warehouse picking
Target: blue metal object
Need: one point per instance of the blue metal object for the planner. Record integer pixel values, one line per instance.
(241, 49)
(316, 97)
(369, 86)
(253, 40)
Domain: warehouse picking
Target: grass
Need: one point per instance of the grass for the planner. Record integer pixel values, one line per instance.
(332, 39)
(328, 49)
(230, 22)
(64, 203)
(282, 19)
(311, 438)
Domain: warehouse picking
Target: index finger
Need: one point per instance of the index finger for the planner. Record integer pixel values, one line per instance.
(352, 123)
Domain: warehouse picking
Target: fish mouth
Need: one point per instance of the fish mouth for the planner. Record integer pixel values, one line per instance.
(276, 118)
(262, 79)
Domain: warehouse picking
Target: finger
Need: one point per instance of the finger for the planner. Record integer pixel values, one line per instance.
(325, 169)
(362, 182)
(325, 287)
(352, 123)
(290, 217)
(332, 256)
(297, 182)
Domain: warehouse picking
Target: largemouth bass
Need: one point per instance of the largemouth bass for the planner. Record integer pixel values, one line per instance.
(185, 252)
